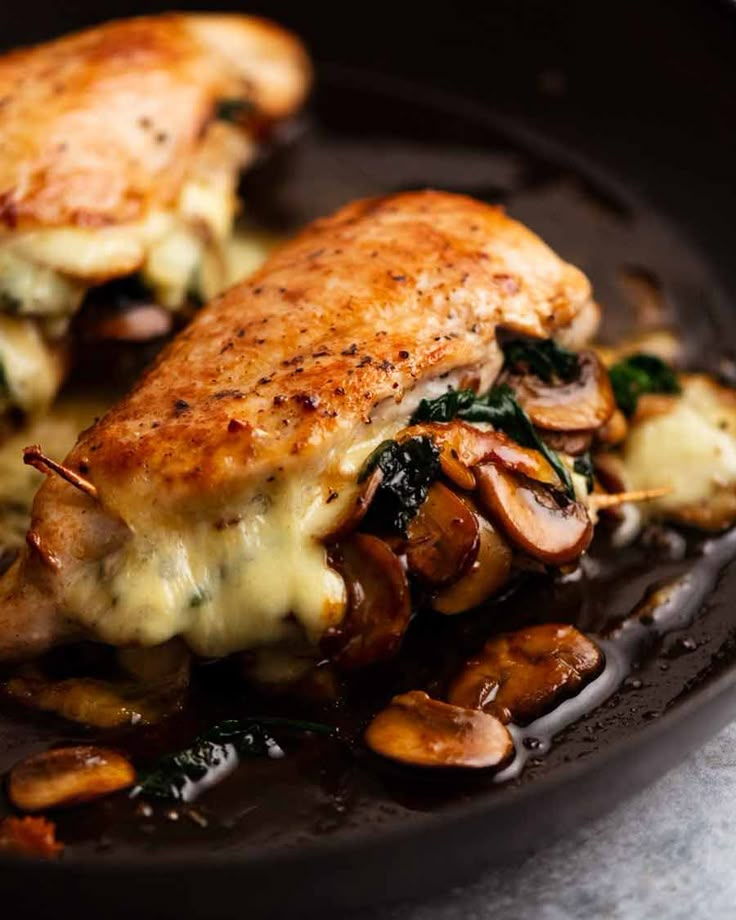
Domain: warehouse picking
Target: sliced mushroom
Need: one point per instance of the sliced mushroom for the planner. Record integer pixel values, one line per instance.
(357, 509)
(138, 322)
(573, 443)
(442, 538)
(379, 605)
(99, 703)
(614, 431)
(29, 837)
(469, 445)
(610, 471)
(584, 404)
(456, 471)
(520, 676)
(67, 776)
(540, 521)
(417, 730)
(160, 678)
(486, 576)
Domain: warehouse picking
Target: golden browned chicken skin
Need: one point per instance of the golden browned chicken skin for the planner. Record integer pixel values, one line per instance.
(261, 399)
(99, 126)
(121, 149)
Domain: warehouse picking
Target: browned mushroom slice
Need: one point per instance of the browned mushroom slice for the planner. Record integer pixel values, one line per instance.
(610, 471)
(614, 431)
(415, 729)
(29, 837)
(520, 676)
(456, 471)
(357, 509)
(486, 576)
(378, 607)
(469, 445)
(584, 404)
(67, 776)
(103, 704)
(158, 679)
(442, 537)
(542, 522)
(573, 443)
(139, 322)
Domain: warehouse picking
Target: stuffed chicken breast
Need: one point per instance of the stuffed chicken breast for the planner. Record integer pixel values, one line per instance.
(120, 151)
(323, 436)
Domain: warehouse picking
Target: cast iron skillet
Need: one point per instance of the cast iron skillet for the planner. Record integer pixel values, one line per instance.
(576, 119)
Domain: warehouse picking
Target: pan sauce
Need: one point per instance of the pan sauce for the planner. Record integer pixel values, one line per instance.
(324, 785)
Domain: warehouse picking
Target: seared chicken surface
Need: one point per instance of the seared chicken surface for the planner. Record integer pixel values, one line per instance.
(201, 501)
(120, 150)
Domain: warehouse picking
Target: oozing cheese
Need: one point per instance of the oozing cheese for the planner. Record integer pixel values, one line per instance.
(30, 289)
(30, 370)
(224, 587)
(691, 449)
(237, 578)
(179, 252)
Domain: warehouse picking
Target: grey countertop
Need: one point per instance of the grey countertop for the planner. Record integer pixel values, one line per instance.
(668, 852)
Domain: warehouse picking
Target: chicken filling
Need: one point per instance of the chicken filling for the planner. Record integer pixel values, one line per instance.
(182, 257)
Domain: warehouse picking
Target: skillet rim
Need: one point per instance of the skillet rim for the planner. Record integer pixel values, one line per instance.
(319, 849)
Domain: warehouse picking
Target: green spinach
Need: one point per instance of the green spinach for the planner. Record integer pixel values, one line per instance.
(552, 363)
(638, 374)
(408, 471)
(583, 466)
(499, 408)
(214, 754)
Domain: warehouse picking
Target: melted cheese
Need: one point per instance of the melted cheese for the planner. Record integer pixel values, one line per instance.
(57, 431)
(30, 369)
(167, 245)
(691, 449)
(237, 578)
(187, 251)
(27, 288)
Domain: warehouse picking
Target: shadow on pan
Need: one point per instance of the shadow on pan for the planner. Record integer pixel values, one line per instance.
(546, 152)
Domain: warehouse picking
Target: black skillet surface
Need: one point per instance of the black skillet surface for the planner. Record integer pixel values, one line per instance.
(328, 828)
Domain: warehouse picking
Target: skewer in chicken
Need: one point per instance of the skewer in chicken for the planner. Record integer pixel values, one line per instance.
(237, 498)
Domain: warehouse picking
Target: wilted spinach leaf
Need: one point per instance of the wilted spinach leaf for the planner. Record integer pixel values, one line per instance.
(499, 408)
(544, 358)
(583, 466)
(444, 408)
(502, 410)
(408, 471)
(213, 755)
(639, 374)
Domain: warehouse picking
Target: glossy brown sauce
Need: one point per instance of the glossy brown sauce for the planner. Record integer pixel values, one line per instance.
(361, 143)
